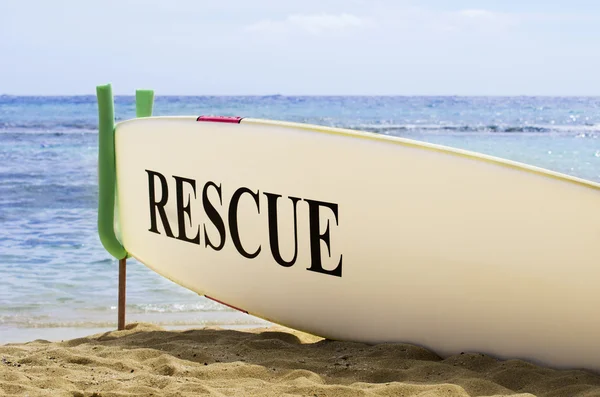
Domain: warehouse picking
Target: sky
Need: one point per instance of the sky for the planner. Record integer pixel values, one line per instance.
(301, 47)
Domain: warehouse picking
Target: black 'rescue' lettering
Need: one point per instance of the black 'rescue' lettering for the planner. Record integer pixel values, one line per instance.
(160, 205)
(183, 209)
(274, 230)
(316, 237)
(192, 232)
(214, 216)
(233, 223)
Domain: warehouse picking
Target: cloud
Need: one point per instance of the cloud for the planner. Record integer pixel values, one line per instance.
(313, 24)
(395, 19)
(486, 20)
(477, 14)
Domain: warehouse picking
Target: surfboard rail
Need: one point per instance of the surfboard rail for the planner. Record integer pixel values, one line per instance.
(427, 146)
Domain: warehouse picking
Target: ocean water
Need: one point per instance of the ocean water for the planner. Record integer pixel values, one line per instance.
(57, 280)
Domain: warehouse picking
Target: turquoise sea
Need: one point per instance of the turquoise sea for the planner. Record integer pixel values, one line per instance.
(56, 280)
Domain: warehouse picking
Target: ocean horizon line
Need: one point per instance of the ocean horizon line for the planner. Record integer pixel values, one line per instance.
(242, 95)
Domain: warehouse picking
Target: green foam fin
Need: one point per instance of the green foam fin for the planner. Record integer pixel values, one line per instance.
(106, 172)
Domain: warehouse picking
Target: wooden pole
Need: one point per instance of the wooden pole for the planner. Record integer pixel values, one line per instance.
(122, 279)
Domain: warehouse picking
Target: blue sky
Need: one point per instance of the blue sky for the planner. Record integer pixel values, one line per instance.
(301, 47)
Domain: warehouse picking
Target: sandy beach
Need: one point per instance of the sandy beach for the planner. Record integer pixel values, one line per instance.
(146, 360)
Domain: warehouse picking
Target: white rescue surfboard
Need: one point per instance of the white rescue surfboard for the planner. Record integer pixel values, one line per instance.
(364, 237)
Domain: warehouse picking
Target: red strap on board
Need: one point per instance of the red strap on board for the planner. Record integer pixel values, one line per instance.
(221, 119)
(226, 304)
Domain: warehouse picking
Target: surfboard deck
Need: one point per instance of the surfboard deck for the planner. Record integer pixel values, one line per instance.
(363, 237)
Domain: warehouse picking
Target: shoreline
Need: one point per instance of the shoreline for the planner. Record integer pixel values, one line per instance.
(85, 323)
(61, 334)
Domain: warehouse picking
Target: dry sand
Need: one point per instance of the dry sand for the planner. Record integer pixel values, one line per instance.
(146, 360)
